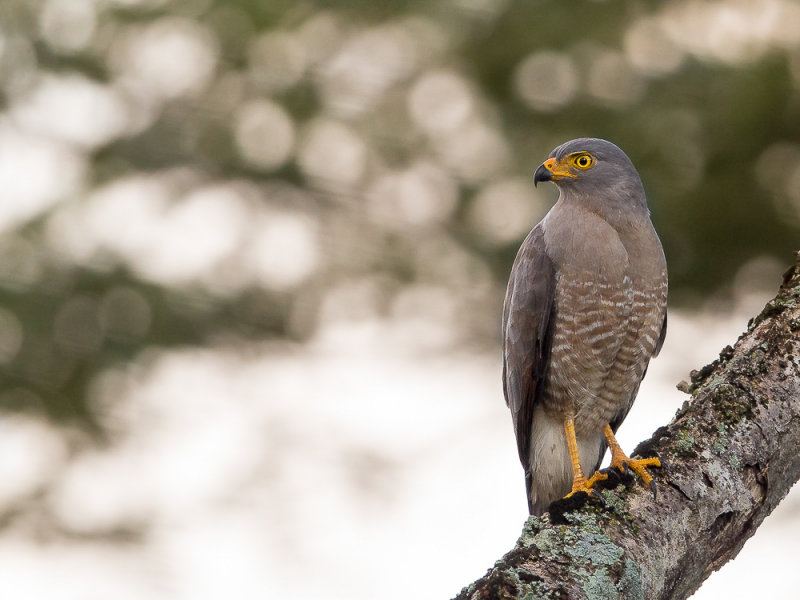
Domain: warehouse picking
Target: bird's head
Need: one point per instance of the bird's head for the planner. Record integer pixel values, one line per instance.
(589, 166)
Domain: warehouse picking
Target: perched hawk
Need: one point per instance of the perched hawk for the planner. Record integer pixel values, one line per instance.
(584, 312)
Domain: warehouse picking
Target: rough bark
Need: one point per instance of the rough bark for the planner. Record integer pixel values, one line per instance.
(729, 457)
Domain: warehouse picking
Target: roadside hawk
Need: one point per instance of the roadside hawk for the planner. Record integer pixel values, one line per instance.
(584, 312)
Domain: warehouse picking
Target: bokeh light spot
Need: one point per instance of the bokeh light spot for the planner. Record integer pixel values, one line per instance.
(35, 173)
(169, 58)
(95, 496)
(504, 211)
(422, 195)
(366, 66)
(31, 451)
(650, 49)
(612, 81)
(284, 251)
(546, 80)
(277, 60)
(264, 133)
(733, 31)
(778, 171)
(119, 217)
(68, 25)
(475, 151)
(320, 35)
(332, 155)
(74, 109)
(440, 101)
(194, 235)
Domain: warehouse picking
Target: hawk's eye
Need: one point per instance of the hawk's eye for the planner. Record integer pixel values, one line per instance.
(583, 161)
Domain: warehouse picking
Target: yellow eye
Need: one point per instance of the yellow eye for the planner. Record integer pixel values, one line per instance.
(583, 161)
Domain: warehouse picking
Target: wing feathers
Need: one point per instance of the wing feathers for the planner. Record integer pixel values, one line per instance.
(527, 334)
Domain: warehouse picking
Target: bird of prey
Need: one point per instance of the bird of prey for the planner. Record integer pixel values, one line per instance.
(584, 312)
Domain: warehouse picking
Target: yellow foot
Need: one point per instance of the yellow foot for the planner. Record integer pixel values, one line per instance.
(581, 484)
(637, 465)
(621, 462)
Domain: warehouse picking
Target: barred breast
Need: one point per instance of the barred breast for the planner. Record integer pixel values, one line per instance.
(590, 319)
(608, 311)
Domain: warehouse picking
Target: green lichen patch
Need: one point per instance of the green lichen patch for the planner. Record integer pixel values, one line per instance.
(580, 548)
(719, 447)
(630, 584)
(587, 542)
(699, 377)
(540, 591)
(595, 562)
(597, 585)
(502, 583)
(616, 504)
(548, 542)
(731, 404)
(594, 549)
(510, 579)
(715, 470)
(756, 363)
(533, 525)
(772, 309)
(685, 444)
(564, 506)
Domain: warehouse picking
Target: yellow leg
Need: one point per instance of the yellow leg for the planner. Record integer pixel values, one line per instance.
(579, 481)
(620, 461)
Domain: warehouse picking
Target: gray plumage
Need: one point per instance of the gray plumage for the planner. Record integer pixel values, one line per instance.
(584, 312)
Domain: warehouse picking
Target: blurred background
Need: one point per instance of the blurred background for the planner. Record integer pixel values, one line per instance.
(252, 261)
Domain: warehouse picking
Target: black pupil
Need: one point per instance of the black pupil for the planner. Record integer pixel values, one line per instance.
(583, 161)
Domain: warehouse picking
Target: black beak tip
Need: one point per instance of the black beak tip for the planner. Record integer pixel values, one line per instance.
(542, 174)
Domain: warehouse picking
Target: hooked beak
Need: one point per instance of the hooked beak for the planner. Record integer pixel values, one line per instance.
(552, 170)
(542, 174)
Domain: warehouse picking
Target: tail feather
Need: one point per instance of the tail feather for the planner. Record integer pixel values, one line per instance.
(548, 474)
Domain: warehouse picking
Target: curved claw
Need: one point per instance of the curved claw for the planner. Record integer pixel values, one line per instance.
(621, 462)
(638, 466)
(581, 484)
(596, 494)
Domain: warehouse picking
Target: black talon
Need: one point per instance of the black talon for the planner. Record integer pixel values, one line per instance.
(654, 489)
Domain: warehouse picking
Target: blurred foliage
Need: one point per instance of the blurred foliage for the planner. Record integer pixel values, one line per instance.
(383, 134)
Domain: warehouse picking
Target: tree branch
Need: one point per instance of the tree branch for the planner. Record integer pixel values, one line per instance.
(729, 457)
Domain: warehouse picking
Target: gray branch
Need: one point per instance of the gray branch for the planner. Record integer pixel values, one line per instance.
(729, 457)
